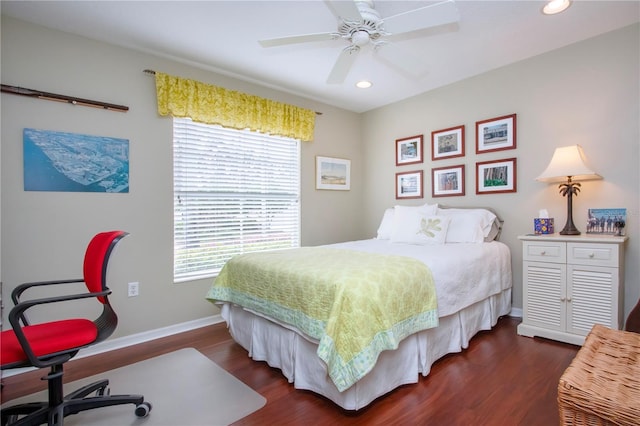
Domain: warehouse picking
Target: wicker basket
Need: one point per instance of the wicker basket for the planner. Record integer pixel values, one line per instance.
(601, 386)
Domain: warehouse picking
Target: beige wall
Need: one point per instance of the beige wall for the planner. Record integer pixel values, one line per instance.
(44, 234)
(586, 93)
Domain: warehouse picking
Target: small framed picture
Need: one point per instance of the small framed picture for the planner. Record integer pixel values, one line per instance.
(409, 150)
(607, 221)
(496, 176)
(409, 185)
(447, 143)
(333, 173)
(447, 181)
(496, 134)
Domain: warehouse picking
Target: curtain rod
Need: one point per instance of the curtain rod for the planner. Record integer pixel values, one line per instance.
(62, 98)
(152, 72)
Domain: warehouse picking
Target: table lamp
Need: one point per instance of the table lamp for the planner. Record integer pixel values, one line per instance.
(568, 165)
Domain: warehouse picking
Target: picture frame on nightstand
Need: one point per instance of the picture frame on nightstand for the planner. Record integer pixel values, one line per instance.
(607, 221)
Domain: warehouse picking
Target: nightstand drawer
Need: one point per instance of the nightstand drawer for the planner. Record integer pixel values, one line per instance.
(593, 254)
(545, 251)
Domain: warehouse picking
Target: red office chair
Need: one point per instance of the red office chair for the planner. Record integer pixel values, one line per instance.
(51, 344)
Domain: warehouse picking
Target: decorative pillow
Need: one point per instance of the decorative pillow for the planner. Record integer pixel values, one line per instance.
(386, 225)
(414, 226)
(468, 225)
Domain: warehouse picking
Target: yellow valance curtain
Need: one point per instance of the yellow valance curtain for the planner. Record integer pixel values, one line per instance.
(205, 103)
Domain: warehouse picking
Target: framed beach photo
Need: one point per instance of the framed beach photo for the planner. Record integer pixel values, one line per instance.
(447, 181)
(409, 150)
(497, 176)
(447, 143)
(496, 134)
(333, 173)
(607, 221)
(409, 185)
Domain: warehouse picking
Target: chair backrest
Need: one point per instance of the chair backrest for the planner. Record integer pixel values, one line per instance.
(96, 260)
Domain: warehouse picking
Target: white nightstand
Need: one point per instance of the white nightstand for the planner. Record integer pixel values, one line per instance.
(571, 283)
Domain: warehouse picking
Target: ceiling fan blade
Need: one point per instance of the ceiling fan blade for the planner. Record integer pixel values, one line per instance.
(298, 39)
(401, 58)
(343, 65)
(345, 10)
(441, 13)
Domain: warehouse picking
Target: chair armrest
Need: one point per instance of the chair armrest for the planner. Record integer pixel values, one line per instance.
(21, 288)
(17, 292)
(16, 315)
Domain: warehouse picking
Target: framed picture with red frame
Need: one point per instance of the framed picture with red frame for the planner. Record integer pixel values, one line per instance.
(409, 185)
(409, 150)
(496, 134)
(447, 143)
(447, 181)
(496, 176)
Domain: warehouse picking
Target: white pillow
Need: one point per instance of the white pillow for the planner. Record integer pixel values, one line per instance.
(386, 225)
(468, 225)
(429, 208)
(493, 231)
(415, 226)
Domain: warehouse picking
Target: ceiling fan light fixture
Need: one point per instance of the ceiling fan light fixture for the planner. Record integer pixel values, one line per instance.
(360, 38)
(556, 6)
(364, 84)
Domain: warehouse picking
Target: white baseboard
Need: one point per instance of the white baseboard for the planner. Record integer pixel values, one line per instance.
(516, 312)
(134, 339)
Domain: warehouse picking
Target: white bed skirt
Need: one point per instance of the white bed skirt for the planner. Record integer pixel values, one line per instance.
(286, 348)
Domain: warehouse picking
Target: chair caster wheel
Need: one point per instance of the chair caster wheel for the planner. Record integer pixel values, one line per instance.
(143, 409)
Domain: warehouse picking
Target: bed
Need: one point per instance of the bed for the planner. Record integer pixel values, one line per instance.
(352, 321)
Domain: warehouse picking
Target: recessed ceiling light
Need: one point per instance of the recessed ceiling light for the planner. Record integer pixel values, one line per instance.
(364, 84)
(556, 6)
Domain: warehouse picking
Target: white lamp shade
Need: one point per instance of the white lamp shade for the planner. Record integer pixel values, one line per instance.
(568, 161)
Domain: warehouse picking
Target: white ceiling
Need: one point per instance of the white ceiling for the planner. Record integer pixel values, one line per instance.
(223, 36)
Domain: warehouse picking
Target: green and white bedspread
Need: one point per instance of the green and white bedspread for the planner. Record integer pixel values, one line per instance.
(355, 304)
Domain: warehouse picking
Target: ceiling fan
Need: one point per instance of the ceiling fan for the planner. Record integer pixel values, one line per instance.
(360, 24)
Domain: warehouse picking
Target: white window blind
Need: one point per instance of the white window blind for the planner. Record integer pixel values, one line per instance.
(234, 192)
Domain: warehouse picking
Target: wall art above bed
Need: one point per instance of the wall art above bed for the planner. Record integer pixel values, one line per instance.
(409, 150)
(447, 143)
(496, 176)
(409, 185)
(447, 181)
(496, 134)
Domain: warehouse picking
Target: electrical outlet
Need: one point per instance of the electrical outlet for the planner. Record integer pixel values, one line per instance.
(134, 289)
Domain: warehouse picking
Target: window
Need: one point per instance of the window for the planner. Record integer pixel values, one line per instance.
(234, 192)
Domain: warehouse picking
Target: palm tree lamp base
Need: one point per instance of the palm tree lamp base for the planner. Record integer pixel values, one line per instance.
(569, 228)
(569, 189)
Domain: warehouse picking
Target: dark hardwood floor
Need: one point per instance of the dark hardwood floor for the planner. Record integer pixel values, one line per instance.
(501, 379)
